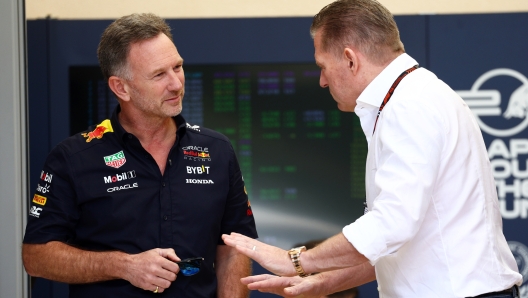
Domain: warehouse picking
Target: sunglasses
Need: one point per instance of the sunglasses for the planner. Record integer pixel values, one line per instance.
(190, 266)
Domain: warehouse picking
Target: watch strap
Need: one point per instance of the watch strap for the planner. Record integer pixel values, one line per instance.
(295, 255)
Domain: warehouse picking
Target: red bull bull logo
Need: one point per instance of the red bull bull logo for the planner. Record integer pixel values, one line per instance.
(99, 131)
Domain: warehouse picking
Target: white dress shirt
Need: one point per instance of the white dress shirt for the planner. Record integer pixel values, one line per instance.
(433, 228)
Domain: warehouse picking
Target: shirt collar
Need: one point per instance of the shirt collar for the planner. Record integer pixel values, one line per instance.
(124, 136)
(369, 101)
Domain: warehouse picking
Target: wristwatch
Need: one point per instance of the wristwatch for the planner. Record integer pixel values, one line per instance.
(295, 255)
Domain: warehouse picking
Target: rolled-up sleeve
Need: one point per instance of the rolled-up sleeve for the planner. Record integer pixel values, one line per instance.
(400, 175)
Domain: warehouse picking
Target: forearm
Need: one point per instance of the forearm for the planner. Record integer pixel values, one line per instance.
(334, 253)
(342, 279)
(230, 267)
(61, 262)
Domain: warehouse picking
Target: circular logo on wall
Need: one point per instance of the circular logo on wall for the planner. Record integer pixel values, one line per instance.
(486, 103)
(520, 253)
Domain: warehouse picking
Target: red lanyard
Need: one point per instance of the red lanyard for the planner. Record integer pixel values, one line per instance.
(391, 91)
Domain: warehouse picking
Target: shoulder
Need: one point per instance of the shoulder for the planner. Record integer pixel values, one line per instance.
(94, 136)
(206, 133)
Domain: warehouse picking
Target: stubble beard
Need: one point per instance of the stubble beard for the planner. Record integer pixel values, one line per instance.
(149, 107)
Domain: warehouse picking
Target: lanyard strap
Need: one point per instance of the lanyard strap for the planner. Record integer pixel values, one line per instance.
(391, 91)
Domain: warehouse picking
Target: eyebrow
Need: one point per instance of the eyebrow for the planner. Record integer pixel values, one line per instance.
(158, 70)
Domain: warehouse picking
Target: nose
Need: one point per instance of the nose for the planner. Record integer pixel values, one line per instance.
(322, 80)
(176, 80)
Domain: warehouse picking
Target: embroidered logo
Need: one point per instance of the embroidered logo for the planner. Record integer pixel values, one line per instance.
(120, 177)
(43, 189)
(39, 200)
(99, 131)
(199, 181)
(196, 153)
(193, 127)
(126, 186)
(35, 211)
(44, 176)
(115, 160)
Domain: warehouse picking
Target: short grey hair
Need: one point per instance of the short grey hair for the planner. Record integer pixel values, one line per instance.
(364, 24)
(120, 35)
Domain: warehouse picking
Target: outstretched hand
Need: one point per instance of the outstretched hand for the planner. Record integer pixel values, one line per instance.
(270, 257)
(285, 286)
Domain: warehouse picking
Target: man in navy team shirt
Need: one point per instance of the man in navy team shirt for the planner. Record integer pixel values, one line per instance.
(119, 204)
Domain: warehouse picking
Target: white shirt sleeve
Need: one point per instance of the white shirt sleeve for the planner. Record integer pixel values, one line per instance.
(403, 162)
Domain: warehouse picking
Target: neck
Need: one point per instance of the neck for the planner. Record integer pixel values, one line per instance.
(374, 70)
(148, 130)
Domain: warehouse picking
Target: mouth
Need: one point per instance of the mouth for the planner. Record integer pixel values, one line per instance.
(174, 99)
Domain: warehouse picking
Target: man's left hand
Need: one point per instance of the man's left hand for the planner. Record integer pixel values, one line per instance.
(270, 257)
(285, 286)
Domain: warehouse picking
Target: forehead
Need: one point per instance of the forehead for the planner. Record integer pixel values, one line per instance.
(321, 56)
(153, 53)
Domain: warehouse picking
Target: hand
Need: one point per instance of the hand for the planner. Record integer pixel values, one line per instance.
(285, 286)
(270, 257)
(152, 269)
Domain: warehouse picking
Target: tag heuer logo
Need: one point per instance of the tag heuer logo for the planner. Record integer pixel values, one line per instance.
(115, 160)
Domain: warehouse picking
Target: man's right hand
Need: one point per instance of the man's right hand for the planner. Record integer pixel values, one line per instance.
(152, 269)
(61, 262)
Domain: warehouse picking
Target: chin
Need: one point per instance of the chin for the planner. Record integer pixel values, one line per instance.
(173, 111)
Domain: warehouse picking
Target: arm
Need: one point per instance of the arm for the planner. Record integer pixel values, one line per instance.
(230, 267)
(315, 285)
(334, 253)
(61, 262)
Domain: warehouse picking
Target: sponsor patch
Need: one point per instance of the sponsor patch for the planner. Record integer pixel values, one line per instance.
(35, 211)
(193, 127)
(115, 160)
(99, 131)
(199, 181)
(120, 177)
(122, 187)
(39, 200)
(46, 177)
(198, 170)
(43, 189)
(196, 153)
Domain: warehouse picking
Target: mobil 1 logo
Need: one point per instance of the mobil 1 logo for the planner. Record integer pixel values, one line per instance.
(120, 177)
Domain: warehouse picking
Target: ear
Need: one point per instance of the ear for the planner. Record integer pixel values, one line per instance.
(119, 87)
(351, 57)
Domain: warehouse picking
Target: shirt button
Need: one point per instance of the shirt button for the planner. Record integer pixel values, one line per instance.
(165, 217)
(163, 184)
(130, 136)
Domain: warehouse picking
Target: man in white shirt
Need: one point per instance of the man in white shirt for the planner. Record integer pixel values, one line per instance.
(432, 227)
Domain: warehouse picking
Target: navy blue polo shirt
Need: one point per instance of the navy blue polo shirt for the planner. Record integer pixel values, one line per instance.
(100, 191)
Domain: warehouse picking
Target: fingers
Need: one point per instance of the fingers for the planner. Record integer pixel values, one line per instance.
(256, 278)
(244, 245)
(275, 284)
(168, 253)
(153, 268)
(303, 286)
(158, 289)
(236, 239)
(272, 282)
